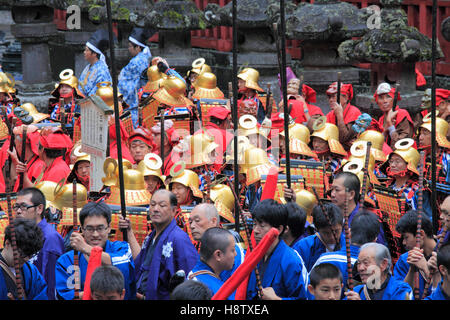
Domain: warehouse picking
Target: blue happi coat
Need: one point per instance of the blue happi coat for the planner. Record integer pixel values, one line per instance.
(437, 294)
(92, 75)
(285, 273)
(311, 248)
(212, 282)
(129, 82)
(46, 259)
(395, 290)
(33, 284)
(174, 251)
(401, 269)
(121, 258)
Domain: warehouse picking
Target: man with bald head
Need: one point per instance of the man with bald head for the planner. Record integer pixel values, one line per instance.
(166, 250)
(205, 216)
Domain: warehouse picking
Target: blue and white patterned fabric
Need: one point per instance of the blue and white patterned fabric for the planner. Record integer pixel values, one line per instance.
(91, 75)
(129, 82)
(67, 108)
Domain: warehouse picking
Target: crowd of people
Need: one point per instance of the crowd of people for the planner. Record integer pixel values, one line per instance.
(354, 222)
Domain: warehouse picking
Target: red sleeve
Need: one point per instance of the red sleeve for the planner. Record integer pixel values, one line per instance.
(331, 118)
(297, 111)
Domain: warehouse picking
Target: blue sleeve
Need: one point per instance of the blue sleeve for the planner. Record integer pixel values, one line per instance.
(122, 258)
(401, 268)
(295, 281)
(35, 285)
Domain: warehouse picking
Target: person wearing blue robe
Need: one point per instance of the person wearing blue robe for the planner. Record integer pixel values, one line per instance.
(53, 244)
(29, 241)
(173, 251)
(407, 227)
(364, 229)
(95, 219)
(129, 77)
(392, 289)
(120, 254)
(441, 280)
(46, 259)
(312, 247)
(282, 271)
(217, 254)
(97, 70)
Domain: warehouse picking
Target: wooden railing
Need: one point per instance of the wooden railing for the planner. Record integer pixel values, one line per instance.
(418, 12)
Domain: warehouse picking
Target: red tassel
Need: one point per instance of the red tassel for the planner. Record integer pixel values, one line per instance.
(95, 261)
(270, 185)
(244, 270)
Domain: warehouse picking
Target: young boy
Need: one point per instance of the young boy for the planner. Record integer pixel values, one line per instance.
(107, 283)
(325, 282)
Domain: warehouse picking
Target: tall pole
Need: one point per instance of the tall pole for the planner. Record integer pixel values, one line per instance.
(433, 121)
(284, 91)
(116, 116)
(235, 118)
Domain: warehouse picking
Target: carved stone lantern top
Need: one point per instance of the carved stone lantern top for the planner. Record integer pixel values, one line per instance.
(325, 20)
(393, 41)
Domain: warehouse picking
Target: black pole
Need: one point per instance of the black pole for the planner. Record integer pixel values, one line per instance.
(116, 117)
(433, 121)
(235, 119)
(284, 90)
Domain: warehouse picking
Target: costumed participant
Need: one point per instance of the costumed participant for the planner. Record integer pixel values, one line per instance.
(375, 257)
(442, 106)
(198, 152)
(95, 219)
(185, 185)
(343, 115)
(67, 89)
(442, 154)
(205, 87)
(248, 100)
(218, 127)
(166, 250)
(126, 154)
(299, 139)
(29, 241)
(257, 136)
(140, 143)
(295, 229)
(282, 271)
(198, 67)
(217, 254)
(401, 168)
(325, 143)
(379, 149)
(136, 193)
(33, 166)
(81, 169)
(395, 122)
(150, 167)
(255, 163)
(442, 270)
(129, 77)
(302, 110)
(31, 204)
(155, 77)
(205, 216)
(8, 97)
(415, 259)
(313, 246)
(352, 180)
(365, 228)
(171, 139)
(52, 145)
(97, 70)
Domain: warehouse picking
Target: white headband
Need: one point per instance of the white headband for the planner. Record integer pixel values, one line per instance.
(383, 88)
(96, 50)
(146, 48)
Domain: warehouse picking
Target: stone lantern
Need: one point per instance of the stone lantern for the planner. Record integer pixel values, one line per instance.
(321, 27)
(34, 29)
(393, 49)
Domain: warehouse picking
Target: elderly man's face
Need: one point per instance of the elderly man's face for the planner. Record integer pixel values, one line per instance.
(385, 102)
(445, 212)
(200, 222)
